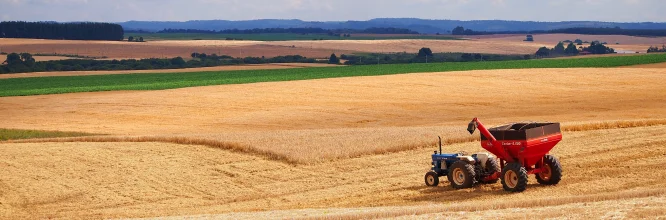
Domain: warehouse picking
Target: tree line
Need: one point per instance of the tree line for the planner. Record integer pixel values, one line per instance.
(424, 55)
(581, 30)
(571, 50)
(61, 31)
(24, 63)
(373, 30)
(654, 49)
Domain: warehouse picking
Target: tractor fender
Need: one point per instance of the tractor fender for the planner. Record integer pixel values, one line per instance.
(483, 158)
(467, 159)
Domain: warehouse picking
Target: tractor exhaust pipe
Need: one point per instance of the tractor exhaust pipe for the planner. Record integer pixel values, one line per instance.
(440, 144)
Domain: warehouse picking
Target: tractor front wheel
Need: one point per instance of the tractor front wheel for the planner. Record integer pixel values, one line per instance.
(514, 177)
(432, 178)
(551, 172)
(461, 175)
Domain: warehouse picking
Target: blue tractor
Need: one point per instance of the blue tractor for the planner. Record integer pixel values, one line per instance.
(463, 171)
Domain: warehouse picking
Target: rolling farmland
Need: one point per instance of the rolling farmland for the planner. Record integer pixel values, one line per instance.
(324, 142)
(69, 84)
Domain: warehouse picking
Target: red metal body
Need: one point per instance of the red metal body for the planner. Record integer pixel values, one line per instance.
(527, 150)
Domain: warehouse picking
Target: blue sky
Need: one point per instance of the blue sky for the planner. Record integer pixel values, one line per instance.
(332, 10)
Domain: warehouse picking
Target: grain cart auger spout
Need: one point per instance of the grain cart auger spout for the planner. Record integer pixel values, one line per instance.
(521, 148)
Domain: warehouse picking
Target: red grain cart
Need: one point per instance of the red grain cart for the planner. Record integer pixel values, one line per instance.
(523, 150)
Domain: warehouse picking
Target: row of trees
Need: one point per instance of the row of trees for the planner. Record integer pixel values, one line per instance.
(462, 31)
(558, 50)
(373, 30)
(654, 49)
(581, 30)
(22, 63)
(135, 39)
(61, 31)
(571, 50)
(424, 55)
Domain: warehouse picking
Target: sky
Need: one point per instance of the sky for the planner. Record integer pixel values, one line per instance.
(332, 10)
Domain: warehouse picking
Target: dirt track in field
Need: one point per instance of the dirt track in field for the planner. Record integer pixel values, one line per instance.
(318, 120)
(118, 180)
(201, 69)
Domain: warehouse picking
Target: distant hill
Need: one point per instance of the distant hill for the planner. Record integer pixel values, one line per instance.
(415, 24)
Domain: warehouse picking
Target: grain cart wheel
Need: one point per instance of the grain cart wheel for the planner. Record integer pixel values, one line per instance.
(461, 175)
(431, 178)
(552, 171)
(514, 177)
(492, 167)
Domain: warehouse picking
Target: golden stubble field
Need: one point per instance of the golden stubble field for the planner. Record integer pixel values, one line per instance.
(317, 120)
(347, 147)
(612, 173)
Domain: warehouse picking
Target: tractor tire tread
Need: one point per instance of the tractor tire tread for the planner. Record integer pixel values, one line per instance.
(555, 169)
(436, 180)
(468, 169)
(494, 167)
(522, 177)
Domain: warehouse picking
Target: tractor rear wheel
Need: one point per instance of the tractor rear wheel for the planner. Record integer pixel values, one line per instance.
(551, 173)
(431, 178)
(461, 175)
(514, 177)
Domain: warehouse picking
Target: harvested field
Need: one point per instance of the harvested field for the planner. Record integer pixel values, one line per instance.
(321, 120)
(627, 44)
(159, 49)
(50, 58)
(495, 44)
(201, 69)
(121, 180)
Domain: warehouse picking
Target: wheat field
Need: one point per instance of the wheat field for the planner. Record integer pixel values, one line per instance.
(319, 120)
(129, 180)
(342, 148)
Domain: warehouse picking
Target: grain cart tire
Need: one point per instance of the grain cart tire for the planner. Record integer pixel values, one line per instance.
(514, 177)
(461, 175)
(431, 178)
(552, 171)
(491, 167)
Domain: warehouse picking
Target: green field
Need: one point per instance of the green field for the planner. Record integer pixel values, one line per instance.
(15, 134)
(272, 37)
(157, 81)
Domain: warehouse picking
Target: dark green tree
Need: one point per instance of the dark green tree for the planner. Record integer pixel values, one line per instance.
(140, 39)
(559, 48)
(571, 49)
(13, 59)
(334, 59)
(458, 31)
(598, 48)
(130, 38)
(425, 52)
(178, 61)
(543, 52)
